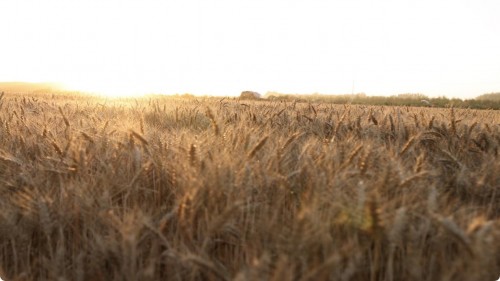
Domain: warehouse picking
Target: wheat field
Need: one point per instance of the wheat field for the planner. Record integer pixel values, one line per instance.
(183, 188)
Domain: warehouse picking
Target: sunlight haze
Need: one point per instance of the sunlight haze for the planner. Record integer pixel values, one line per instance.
(436, 48)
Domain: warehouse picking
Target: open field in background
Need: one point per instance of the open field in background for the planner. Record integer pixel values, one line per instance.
(211, 189)
(484, 101)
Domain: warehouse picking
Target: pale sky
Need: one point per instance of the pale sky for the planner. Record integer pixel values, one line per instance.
(386, 47)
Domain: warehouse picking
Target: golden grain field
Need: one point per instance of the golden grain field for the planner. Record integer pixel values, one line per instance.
(171, 188)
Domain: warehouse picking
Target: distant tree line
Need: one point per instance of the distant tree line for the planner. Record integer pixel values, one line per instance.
(486, 101)
(490, 96)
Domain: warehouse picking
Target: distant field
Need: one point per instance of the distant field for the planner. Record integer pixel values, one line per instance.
(184, 188)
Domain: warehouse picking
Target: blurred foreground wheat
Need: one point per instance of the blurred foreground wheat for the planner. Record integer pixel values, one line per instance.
(209, 189)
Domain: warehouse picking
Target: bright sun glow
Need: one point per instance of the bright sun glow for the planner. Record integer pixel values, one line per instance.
(222, 47)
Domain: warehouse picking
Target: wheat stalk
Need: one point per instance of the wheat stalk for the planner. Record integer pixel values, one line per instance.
(257, 147)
